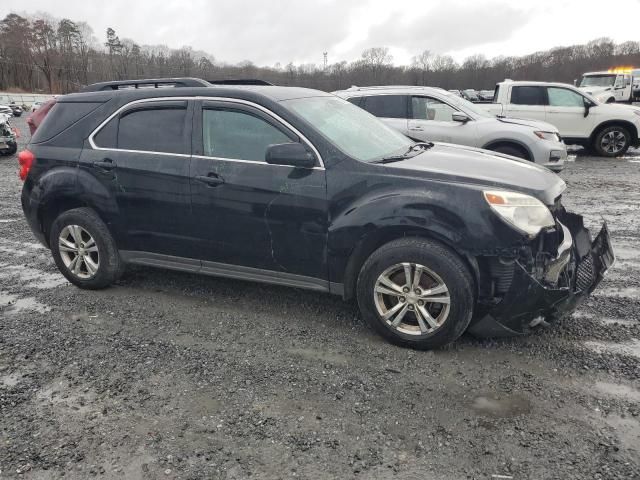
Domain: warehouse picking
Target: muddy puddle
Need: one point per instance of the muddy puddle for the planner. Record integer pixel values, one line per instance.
(31, 276)
(499, 406)
(631, 348)
(13, 304)
(618, 390)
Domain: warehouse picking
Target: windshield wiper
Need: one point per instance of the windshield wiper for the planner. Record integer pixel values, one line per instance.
(413, 150)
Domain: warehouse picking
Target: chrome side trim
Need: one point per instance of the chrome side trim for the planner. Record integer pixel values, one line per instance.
(254, 162)
(212, 98)
(216, 269)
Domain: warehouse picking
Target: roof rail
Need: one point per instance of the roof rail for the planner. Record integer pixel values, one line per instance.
(146, 83)
(240, 81)
(387, 87)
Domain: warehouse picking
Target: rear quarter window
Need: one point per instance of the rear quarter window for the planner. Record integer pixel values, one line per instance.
(386, 106)
(528, 95)
(61, 117)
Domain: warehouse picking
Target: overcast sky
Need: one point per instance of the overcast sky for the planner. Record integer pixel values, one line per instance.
(270, 31)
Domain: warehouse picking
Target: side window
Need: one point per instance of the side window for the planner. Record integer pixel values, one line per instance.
(386, 106)
(153, 129)
(356, 100)
(525, 95)
(427, 108)
(562, 97)
(238, 135)
(107, 137)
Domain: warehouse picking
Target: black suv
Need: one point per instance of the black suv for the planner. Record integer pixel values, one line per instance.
(298, 187)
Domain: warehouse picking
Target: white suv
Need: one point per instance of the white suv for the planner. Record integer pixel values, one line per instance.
(433, 114)
(608, 129)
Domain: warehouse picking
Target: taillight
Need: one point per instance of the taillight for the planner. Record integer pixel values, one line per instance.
(25, 159)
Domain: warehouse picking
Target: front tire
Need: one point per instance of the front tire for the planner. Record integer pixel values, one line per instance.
(416, 293)
(612, 141)
(84, 250)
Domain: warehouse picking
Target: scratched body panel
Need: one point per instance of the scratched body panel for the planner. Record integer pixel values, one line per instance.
(263, 216)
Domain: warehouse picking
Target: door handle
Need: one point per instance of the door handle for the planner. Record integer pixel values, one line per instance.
(416, 128)
(105, 164)
(212, 179)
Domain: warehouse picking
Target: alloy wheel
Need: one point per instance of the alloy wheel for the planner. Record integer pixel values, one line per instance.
(613, 142)
(412, 299)
(79, 251)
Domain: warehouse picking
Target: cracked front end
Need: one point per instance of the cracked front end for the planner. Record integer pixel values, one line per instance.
(546, 280)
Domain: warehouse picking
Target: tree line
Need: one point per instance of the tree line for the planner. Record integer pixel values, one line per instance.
(45, 54)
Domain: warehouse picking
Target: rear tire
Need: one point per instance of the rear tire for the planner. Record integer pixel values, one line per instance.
(416, 293)
(84, 250)
(511, 150)
(612, 141)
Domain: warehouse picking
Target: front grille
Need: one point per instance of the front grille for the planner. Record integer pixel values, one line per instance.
(585, 274)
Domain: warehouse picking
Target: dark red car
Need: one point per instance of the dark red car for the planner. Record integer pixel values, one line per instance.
(36, 118)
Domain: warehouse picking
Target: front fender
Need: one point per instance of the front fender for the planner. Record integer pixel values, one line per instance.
(454, 216)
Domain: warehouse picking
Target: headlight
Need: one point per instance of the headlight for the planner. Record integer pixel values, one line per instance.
(526, 213)
(553, 136)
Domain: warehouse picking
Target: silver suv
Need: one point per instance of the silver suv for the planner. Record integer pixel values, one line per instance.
(434, 114)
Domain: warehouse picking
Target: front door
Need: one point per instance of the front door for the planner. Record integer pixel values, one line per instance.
(271, 219)
(141, 159)
(432, 119)
(566, 111)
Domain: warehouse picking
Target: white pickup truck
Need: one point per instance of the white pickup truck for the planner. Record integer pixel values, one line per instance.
(620, 85)
(608, 129)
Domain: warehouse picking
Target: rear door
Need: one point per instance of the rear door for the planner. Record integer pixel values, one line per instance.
(527, 101)
(391, 109)
(141, 157)
(248, 213)
(431, 119)
(566, 111)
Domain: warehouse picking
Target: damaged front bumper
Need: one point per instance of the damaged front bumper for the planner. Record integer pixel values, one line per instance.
(553, 291)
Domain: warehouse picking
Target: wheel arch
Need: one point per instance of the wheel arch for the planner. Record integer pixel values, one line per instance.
(612, 123)
(509, 142)
(379, 237)
(61, 191)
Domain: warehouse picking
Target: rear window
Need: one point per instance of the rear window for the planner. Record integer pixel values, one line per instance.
(154, 129)
(386, 106)
(61, 117)
(528, 95)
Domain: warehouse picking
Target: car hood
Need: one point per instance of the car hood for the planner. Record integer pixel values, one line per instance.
(594, 90)
(617, 109)
(475, 166)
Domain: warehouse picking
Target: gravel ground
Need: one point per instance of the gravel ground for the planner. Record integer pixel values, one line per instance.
(170, 375)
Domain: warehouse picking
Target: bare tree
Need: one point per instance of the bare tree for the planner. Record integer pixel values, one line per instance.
(58, 55)
(423, 63)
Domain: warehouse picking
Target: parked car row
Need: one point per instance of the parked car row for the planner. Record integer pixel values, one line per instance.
(433, 114)
(8, 136)
(299, 187)
(12, 110)
(475, 96)
(608, 129)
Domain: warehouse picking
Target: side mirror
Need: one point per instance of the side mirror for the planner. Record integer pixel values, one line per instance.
(460, 117)
(291, 154)
(587, 107)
